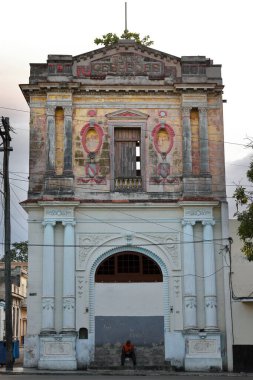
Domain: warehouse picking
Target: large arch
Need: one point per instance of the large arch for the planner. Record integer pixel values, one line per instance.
(144, 251)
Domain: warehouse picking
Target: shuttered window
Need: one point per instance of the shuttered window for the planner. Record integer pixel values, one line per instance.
(127, 152)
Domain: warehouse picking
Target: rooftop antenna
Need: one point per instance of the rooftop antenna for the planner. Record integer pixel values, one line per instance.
(125, 16)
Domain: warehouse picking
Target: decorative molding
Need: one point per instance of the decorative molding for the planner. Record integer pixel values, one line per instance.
(48, 222)
(198, 213)
(47, 303)
(92, 137)
(80, 286)
(170, 245)
(68, 111)
(68, 303)
(128, 114)
(201, 346)
(203, 110)
(210, 222)
(210, 302)
(177, 310)
(190, 302)
(50, 111)
(187, 222)
(88, 243)
(58, 213)
(163, 138)
(186, 111)
(68, 222)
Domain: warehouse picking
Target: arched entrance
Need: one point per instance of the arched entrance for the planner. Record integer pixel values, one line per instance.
(129, 303)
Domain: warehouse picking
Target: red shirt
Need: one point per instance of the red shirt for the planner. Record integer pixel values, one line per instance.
(127, 348)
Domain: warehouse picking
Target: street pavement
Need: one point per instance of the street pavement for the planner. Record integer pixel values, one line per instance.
(118, 373)
(106, 376)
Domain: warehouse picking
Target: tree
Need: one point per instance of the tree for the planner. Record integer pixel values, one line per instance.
(19, 252)
(245, 217)
(112, 38)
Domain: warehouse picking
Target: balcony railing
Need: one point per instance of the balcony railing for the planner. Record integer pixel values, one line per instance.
(128, 184)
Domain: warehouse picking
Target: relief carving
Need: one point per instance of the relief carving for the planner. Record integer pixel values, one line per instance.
(190, 302)
(48, 304)
(87, 243)
(211, 302)
(80, 286)
(198, 213)
(207, 346)
(170, 244)
(58, 213)
(68, 304)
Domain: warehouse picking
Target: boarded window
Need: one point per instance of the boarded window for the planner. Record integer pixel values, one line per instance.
(127, 152)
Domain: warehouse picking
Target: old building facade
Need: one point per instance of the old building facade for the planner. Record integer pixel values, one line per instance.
(19, 278)
(127, 209)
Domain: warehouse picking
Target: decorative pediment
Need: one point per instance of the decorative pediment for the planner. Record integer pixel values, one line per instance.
(127, 114)
(126, 59)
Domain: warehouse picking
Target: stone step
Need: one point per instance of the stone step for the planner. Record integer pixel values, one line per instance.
(109, 356)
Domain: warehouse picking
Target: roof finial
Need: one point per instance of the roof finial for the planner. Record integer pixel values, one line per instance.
(125, 16)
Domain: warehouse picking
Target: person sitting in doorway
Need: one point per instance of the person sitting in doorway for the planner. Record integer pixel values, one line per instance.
(128, 352)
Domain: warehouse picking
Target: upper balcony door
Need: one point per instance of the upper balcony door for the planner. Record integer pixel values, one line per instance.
(127, 159)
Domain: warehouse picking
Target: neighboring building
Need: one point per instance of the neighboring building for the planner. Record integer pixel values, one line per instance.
(127, 210)
(19, 305)
(242, 303)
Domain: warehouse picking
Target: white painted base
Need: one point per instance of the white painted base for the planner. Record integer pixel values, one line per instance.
(175, 349)
(57, 352)
(82, 353)
(203, 352)
(31, 351)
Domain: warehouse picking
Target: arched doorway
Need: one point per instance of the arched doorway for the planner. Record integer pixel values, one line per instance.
(129, 304)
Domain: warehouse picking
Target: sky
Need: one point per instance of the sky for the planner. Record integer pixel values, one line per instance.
(31, 30)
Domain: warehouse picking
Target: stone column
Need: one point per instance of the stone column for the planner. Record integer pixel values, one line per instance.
(210, 276)
(50, 139)
(190, 299)
(187, 149)
(203, 134)
(68, 140)
(69, 277)
(48, 278)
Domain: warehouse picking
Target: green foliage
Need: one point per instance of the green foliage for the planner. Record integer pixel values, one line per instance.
(112, 38)
(245, 217)
(19, 252)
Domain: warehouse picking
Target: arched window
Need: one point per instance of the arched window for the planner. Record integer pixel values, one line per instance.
(128, 267)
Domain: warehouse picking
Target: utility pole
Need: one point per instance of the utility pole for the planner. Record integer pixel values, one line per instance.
(5, 135)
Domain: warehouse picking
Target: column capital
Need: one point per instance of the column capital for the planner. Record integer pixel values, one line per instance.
(68, 222)
(49, 222)
(202, 110)
(186, 111)
(50, 110)
(208, 222)
(186, 222)
(68, 111)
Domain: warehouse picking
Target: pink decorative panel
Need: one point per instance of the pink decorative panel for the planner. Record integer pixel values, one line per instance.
(92, 135)
(163, 137)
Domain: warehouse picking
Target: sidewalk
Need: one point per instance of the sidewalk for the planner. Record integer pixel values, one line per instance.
(19, 370)
(117, 371)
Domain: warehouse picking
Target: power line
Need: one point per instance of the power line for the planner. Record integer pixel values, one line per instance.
(85, 120)
(132, 246)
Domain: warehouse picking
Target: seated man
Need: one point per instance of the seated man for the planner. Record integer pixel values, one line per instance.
(128, 352)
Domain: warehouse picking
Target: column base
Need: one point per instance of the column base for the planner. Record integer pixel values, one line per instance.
(47, 332)
(203, 351)
(68, 332)
(58, 352)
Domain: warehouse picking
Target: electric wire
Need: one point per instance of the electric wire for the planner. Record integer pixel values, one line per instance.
(146, 130)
